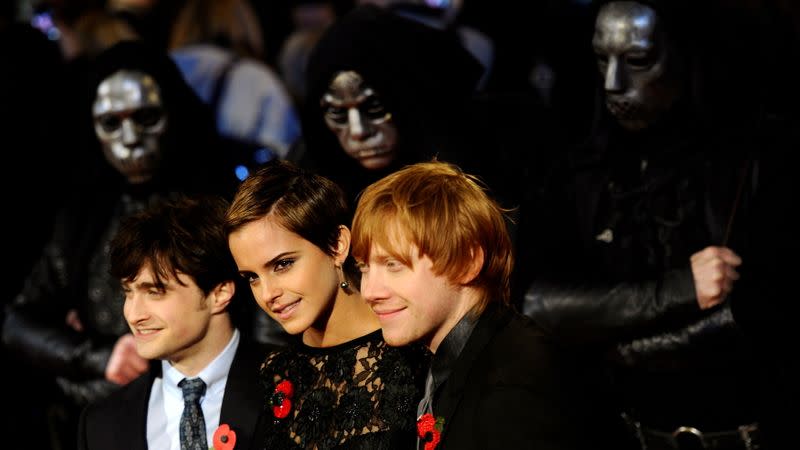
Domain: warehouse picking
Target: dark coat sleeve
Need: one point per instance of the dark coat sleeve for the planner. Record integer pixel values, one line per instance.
(561, 291)
(35, 322)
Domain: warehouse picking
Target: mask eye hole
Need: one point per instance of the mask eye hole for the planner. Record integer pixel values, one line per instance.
(640, 61)
(373, 109)
(336, 114)
(109, 123)
(147, 117)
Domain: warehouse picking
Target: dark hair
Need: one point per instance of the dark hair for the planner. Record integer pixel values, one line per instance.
(307, 204)
(182, 235)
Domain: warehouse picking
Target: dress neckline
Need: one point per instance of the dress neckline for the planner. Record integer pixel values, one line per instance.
(371, 336)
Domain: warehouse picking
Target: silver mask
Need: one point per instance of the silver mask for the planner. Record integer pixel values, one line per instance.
(642, 73)
(129, 120)
(354, 112)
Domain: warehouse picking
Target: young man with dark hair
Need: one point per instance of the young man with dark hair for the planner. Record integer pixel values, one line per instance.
(179, 281)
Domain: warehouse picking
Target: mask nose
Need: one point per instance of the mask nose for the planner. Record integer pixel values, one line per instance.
(613, 76)
(129, 133)
(358, 129)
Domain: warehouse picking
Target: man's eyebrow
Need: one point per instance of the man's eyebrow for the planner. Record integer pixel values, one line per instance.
(144, 285)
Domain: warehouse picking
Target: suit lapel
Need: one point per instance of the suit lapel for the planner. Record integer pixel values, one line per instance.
(132, 428)
(243, 401)
(452, 392)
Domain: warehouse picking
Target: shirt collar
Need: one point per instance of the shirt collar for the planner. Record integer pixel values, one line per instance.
(214, 373)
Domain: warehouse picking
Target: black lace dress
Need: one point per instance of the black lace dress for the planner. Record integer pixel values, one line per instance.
(362, 394)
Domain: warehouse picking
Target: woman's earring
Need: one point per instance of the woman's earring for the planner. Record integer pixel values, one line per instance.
(345, 285)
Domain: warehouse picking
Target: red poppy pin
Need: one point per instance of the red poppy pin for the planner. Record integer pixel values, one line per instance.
(429, 430)
(224, 438)
(282, 399)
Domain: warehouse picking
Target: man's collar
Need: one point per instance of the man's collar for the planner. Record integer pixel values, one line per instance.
(451, 347)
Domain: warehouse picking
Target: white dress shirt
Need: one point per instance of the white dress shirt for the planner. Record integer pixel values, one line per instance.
(166, 399)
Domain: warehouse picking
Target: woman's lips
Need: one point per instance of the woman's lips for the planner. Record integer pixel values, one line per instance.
(286, 311)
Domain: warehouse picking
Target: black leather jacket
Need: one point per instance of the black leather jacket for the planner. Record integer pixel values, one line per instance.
(72, 274)
(606, 248)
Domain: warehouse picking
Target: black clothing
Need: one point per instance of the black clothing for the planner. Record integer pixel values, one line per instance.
(34, 111)
(509, 387)
(360, 394)
(608, 253)
(120, 420)
(766, 309)
(610, 266)
(446, 355)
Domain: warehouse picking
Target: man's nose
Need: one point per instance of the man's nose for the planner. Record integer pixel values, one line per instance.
(134, 309)
(372, 288)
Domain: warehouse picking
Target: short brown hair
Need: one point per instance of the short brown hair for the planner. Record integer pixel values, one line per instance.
(180, 235)
(307, 204)
(446, 214)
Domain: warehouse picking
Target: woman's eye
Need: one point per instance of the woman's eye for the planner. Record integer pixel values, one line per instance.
(283, 264)
(249, 277)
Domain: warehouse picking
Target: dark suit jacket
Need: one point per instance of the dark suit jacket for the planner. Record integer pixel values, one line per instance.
(509, 389)
(120, 420)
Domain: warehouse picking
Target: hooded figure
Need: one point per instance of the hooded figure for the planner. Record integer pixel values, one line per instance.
(418, 80)
(632, 249)
(190, 149)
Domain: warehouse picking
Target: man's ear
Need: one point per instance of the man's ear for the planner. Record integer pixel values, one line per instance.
(221, 296)
(474, 267)
(342, 245)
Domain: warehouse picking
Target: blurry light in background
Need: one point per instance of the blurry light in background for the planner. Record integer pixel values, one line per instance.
(44, 22)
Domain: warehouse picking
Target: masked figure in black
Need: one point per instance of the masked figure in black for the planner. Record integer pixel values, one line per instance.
(632, 250)
(384, 91)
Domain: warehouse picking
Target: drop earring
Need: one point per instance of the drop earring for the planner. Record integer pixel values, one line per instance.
(344, 284)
